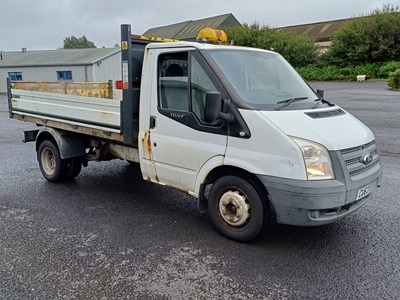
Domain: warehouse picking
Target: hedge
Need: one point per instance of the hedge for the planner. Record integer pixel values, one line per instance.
(394, 79)
(332, 72)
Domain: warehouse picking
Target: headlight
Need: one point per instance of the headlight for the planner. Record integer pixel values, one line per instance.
(317, 160)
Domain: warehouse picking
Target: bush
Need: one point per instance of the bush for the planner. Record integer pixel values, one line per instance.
(394, 79)
(299, 50)
(326, 73)
(296, 49)
(346, 72)
(310, 72)
(330, 73)
(370, 70)
(373, 38)
(387, 68)
(333, 72)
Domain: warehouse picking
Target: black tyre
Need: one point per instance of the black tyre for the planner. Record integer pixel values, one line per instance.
(73, 167)
(50, 163)
(236, 209)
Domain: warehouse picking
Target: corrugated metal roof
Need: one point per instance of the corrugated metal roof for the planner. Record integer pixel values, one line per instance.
(188, 30)
(166, 32)
(321, 31)
(59, 57)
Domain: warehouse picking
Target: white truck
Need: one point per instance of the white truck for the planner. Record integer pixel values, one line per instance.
(237, 128)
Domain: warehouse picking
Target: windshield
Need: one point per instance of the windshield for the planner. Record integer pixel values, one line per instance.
(263, 79)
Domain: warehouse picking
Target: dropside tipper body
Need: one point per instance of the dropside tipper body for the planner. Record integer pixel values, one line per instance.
(111, 125)
(235, 127)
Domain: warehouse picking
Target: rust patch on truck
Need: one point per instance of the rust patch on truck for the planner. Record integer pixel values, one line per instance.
(14, 103)
(178, 188)
(147, 52)
(106, 135)
(148, 154)
(146, 144)
(86, 89)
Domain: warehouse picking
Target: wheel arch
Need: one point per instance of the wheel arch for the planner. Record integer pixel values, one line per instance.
(224, 170)
(69, 144)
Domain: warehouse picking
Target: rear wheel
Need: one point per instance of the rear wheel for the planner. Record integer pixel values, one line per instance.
(73, 167)
(236, 208)
(50, 163)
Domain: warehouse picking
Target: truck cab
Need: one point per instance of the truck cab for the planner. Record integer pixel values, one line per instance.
(224, 123)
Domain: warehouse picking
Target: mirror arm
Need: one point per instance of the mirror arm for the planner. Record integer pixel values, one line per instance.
(226, 117)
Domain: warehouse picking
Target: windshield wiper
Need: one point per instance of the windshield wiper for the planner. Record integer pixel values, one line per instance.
(287, 102)
(321, 100)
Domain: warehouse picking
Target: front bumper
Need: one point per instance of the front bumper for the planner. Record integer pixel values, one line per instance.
(312, 203)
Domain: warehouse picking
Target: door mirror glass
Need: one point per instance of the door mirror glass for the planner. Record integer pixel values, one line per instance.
(213, 107)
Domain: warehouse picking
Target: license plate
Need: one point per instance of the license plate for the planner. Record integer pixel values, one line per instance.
(363, 192)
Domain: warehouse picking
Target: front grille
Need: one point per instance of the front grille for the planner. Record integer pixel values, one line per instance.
(358, 148)
(358, 159)
(353, 158)
(362, 170)
(352, 161)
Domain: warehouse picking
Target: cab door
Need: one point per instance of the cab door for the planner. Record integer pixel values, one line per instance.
(178, 142)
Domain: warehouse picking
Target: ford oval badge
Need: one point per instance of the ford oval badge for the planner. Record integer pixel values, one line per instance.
(367, 159)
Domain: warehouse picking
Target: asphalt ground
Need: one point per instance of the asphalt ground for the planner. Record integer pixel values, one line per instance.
(110, 235)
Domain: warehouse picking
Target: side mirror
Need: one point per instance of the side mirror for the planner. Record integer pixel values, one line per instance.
(213, 107)
(320, 93)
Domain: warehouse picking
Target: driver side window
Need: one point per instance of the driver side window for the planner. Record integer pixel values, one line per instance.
(173, 82)
(183, 84)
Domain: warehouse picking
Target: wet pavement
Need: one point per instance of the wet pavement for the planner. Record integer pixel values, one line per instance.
(110, 235)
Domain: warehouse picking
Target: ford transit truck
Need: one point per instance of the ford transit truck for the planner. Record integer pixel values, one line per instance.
(237, 128)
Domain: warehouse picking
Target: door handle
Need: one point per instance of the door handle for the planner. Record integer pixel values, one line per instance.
(152, 122)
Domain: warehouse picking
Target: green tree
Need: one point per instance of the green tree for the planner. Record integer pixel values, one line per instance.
(371, 39)
(297, 49)
(72, 42)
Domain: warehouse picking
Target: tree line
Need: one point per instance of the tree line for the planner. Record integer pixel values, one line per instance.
(374, 38)
(367, 45)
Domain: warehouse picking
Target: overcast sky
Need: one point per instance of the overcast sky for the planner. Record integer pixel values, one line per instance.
(43, 24)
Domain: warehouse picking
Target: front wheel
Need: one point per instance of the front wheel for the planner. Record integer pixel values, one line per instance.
(236, 208)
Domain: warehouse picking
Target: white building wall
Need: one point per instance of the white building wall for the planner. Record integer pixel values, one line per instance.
(45, 74)
(108, 69)
(3, 78)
